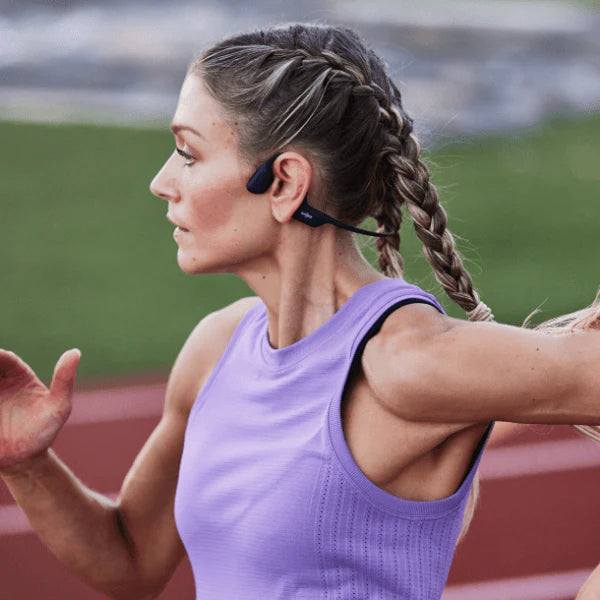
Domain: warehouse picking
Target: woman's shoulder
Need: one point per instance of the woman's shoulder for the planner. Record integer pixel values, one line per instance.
(237, 309)
(220, 324)
(404, 332)
(203, 348)
(212, 334)
(417, 319)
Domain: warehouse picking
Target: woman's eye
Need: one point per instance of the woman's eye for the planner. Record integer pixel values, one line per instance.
(185, 155)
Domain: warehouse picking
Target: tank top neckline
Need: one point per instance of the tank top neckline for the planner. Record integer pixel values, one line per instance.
(294, 353)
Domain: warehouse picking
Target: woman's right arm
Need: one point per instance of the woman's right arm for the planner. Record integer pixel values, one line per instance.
(129, 548)
(590, 590)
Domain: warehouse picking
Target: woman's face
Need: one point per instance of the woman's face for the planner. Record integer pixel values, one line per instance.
(225, 225)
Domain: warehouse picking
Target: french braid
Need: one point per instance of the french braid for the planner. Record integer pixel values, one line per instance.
(413, 187)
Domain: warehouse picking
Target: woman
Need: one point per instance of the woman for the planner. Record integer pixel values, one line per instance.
(277, 465)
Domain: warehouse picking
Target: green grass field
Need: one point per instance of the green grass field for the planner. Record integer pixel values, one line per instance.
(89, 260)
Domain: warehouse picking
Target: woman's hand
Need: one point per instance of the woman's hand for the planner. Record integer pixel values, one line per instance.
(31, 414)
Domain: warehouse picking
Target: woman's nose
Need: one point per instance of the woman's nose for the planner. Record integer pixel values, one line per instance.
(163, 185)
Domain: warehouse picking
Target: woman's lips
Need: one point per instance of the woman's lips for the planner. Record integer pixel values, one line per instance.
(174, 223)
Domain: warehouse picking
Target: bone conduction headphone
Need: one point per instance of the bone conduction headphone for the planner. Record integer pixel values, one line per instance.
(262, 180)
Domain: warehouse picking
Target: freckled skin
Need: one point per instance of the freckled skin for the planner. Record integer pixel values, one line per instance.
(227, 224)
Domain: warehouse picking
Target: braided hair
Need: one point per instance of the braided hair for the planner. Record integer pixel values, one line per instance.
(323, 90)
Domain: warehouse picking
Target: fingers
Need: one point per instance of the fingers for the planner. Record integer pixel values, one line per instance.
(12, 364)
(63, 379)
(7, 359)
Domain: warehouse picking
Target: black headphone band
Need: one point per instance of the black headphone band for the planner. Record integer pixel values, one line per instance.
(262, 179)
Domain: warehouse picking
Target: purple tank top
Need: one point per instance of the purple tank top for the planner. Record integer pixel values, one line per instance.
(270, 502)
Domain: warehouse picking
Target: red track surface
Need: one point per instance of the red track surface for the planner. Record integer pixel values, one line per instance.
(535, 534)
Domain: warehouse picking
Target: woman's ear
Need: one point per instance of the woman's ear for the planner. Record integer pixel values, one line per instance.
(292, 174)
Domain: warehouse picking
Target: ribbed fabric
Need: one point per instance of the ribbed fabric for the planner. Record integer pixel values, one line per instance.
(270, 503)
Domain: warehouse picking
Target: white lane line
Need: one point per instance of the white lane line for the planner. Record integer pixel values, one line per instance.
(118, 404)
(14, 522)
(553, 586)
(539, 457)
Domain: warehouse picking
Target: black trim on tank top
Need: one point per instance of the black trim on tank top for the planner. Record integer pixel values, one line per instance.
(377, 326)
(373, 330)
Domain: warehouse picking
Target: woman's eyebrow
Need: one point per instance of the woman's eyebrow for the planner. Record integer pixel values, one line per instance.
(176, 128)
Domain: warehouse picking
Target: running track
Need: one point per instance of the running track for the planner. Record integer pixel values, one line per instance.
(535, 534)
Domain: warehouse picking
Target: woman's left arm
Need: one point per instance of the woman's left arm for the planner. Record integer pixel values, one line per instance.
(431, 367)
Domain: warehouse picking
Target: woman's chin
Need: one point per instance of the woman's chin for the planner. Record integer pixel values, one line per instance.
(188, 265)
(194, 266)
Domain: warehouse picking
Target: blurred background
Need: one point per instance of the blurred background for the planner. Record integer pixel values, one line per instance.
(505, 95)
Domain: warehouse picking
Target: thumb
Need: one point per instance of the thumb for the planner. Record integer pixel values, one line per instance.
(63, 379)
